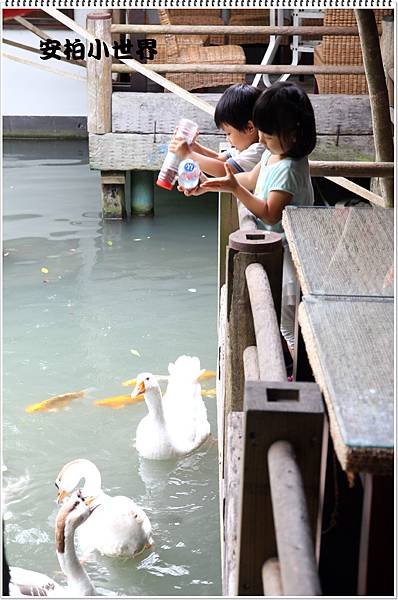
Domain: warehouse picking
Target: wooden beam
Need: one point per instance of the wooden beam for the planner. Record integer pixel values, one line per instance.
(318, 30)
(222, 68)
(378, 95)
(41, 67)
(79, 63)
(351, 169)
(357, 189)
(137, 66)
(42, 34)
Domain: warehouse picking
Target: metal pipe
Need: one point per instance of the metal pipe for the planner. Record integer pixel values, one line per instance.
(296, 553)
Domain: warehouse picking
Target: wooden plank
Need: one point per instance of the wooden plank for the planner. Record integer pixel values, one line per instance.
(350, 347)
(347, 251)
(130, 151)
(233, 475)
(359, 190)
(351, 169)
(336, 114)
(275, 411)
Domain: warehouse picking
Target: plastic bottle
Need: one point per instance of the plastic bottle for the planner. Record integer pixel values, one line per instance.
(186, 129)
(188, 174)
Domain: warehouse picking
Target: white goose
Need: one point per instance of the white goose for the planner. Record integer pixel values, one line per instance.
(118, 527)
(176, 424)
(25, 583)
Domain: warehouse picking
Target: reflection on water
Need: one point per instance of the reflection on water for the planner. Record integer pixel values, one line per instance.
(79, 296)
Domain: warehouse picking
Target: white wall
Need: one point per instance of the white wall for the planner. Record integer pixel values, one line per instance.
(28, 91)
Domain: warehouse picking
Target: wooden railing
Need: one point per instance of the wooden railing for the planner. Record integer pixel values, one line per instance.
(270, 498)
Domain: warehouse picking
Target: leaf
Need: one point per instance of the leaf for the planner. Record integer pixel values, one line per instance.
(135, 352)
(44, 270)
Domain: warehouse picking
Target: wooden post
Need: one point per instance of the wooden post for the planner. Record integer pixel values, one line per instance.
(275, 411)
(387, 53)
(99, 76)
(142, 193)
(113, 197)
(227, 223)
(246, 247)
(378, 96)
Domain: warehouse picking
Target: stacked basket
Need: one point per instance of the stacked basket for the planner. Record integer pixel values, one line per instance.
(342, 50)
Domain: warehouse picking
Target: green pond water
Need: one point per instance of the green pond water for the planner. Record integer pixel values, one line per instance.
(147, 285)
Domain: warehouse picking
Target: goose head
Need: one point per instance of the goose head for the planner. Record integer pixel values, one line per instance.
(75, 511)
(148, 385)
(71, 475)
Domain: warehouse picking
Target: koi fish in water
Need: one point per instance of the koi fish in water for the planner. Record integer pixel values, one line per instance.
(55, 402)
(119, 401)
(205, 375)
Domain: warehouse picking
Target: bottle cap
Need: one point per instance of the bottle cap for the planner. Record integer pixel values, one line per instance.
(164, 184)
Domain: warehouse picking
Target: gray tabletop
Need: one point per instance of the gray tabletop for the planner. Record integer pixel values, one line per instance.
(350, 345)
(342, 251)
(344, 259)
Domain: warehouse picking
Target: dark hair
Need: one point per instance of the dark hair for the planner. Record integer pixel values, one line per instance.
(285, 110)
(235, 106)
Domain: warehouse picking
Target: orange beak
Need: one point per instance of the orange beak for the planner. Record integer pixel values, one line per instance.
(139, 389)
(61, 496)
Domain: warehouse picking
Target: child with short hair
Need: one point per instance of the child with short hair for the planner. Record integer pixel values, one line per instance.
(285, 119)
(233, 114)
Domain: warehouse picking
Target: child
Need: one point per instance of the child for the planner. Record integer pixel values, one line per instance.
(284, 117)
(233, 114)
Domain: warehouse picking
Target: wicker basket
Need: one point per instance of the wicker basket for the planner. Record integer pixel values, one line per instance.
(187, 49)
(252, 16)
(342, 50)
(191, 16)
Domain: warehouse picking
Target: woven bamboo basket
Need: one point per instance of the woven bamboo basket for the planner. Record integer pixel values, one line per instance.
(342, 50)
(251, 16)
(191, 16)
(190, 50)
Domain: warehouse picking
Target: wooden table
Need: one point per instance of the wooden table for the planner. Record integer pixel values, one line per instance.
(344, 262)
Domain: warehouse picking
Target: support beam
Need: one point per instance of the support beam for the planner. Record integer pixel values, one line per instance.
(382, 130)
(253, 69)
(312, 31)
(142, 194)
(99, 77)
(113, 197)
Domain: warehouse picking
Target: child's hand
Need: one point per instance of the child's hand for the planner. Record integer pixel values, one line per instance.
(222, 184)
(180, 148)
(198, 191)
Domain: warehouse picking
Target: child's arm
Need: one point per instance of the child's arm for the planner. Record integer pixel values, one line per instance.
(211, 166)
(269, 211)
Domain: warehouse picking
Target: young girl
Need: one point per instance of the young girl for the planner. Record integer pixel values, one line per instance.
(284, 117)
